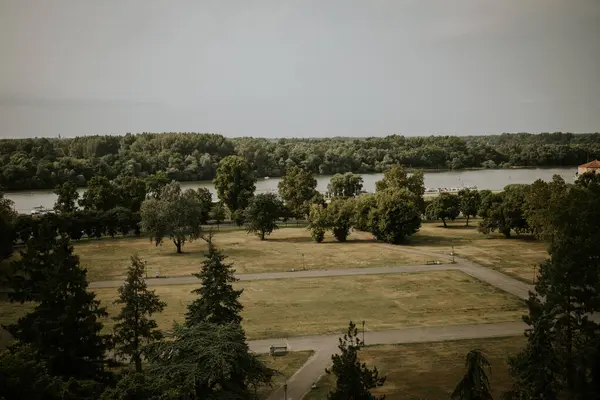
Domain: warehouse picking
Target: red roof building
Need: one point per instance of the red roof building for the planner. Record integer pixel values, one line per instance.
(592, 166)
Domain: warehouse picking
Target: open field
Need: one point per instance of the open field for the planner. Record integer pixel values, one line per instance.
(430, 370)
(312, 306)
(284, 250)
(286, 365)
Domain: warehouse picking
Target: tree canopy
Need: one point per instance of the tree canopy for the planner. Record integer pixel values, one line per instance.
(444, 206)
(297, 188)
(235, 183)
(345, 185)
(262, 214)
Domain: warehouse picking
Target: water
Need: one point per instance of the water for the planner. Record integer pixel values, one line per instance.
(483, 179)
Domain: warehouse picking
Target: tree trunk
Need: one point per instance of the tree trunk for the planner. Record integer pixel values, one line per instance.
(178, 245)
(262, 235)
(444, 221)
(505, 232)
(138, 363)
(467, 220)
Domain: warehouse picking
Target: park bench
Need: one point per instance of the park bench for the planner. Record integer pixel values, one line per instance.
(278, 350)
(432, 262)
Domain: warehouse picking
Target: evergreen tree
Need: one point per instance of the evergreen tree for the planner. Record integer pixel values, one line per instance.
(475, 384)
(354, 380)
(218, 301)
(63, 328)
(134, 325)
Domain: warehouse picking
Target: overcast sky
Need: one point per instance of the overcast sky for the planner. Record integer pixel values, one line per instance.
(279, 68)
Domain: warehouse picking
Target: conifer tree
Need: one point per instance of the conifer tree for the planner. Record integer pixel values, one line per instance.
(475, 384)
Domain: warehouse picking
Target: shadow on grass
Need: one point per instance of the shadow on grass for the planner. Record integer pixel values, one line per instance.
(308, 239)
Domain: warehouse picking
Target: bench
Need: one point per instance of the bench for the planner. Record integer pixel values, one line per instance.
(432, 262)
(278, 350)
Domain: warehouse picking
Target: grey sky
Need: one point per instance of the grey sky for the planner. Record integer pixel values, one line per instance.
(282, 68)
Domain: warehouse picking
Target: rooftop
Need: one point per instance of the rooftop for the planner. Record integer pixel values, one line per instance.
(591, 164)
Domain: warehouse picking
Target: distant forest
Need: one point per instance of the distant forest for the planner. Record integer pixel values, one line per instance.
(43, 163)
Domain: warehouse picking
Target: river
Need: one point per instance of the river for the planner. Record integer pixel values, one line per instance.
(493, 179)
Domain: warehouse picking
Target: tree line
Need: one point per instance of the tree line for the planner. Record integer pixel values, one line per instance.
(44, 163)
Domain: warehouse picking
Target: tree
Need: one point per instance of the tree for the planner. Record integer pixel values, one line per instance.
(155, 183)
(131, 192)
(363, 206)
(504, 212)
(66, 201)
(134, 324)
(218, 301)
(64, 328)
(175, 214)
(470, 201)
(235, 183)
(297, 188)
(541, 204)
(340, 214)
(397, 178)
(206, 361)
(218, 213)
(444, 206)
(354, 380)
(8, 224)
(262, 214)
(345, 185)
(101, 195)
(396, 215)
(475, 384)
(318, 222)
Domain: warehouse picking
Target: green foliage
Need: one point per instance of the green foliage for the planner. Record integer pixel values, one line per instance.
(176, 215)
(354, 380)
(218, 213)
(206, 361)
(218, 301)
(362, 207)
(155, 183)
(541, 204)
(64, 327)
(262, 214)
(444, 206)
(67, 197)
(318, 222)
(395, 216)
(340, 215)
(101, 195)
(134, 325)
(470, 202)
(131, 192)
(345, 185)
(397, 178)
(297, 188)
(8, 224)
(235, 183)
(503, 212)
(475, 384)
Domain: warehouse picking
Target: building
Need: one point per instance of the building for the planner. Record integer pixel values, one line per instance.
(592, 166)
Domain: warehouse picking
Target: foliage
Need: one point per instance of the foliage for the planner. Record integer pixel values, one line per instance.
(475, 384)
(176, 215)
(397, 178)
(503, 212)
(340, 215)
(8, 221)
(64, 327)
(218, 213)
(262, 214)
(235, 183)
(541, 204)
(207, 361)
(100, 195)
(134, 325)
(318, 223)
(470, 202)
(345, 185)
(67, 196)
(395, 216)
(297, 188)
(362, 207)
(444, 206)
(354, 380)
(218, 301)
(131, 192)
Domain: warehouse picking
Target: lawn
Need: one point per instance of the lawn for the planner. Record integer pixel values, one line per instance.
(286, 365)
(309, 306)
(284, 250)
(430, 370)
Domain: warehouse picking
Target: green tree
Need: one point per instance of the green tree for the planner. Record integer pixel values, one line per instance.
(354, 379)
(396, 215)
(155, 183)
(8, 221)
(503, 212)
(218, 301)
(101, 195)
(475, 384)
(340, 213)
(444, 206)
(297, 188)
(218, 213)
(175, 214)
(540, 205)
(134, 325)
(345, 185)
(470, 201)
(397, 178)
(235, 183)
(66, 201)
(262, 214)
(64, 327)
(318, 223)
(131, 192)
(363, 206)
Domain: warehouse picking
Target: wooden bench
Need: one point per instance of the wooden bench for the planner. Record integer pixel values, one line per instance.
(432, 262)
(278, 350)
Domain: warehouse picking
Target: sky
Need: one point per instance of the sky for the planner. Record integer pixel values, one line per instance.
(302, 68)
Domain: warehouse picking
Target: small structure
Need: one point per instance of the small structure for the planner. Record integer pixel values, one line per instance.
(278, 350)
(592, 166)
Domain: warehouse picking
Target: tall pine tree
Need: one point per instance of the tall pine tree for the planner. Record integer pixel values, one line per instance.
(475, 384)
(218, 301)
(64, 328)
(135, 327)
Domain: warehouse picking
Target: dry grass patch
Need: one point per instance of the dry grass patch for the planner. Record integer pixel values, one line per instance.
(286, 365)
(309, 306)
(430, 370)
(284, 250)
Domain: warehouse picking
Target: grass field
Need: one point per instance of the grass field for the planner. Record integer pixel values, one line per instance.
(430, 370)
(515, 256)
(284, 250)
(286, 365)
